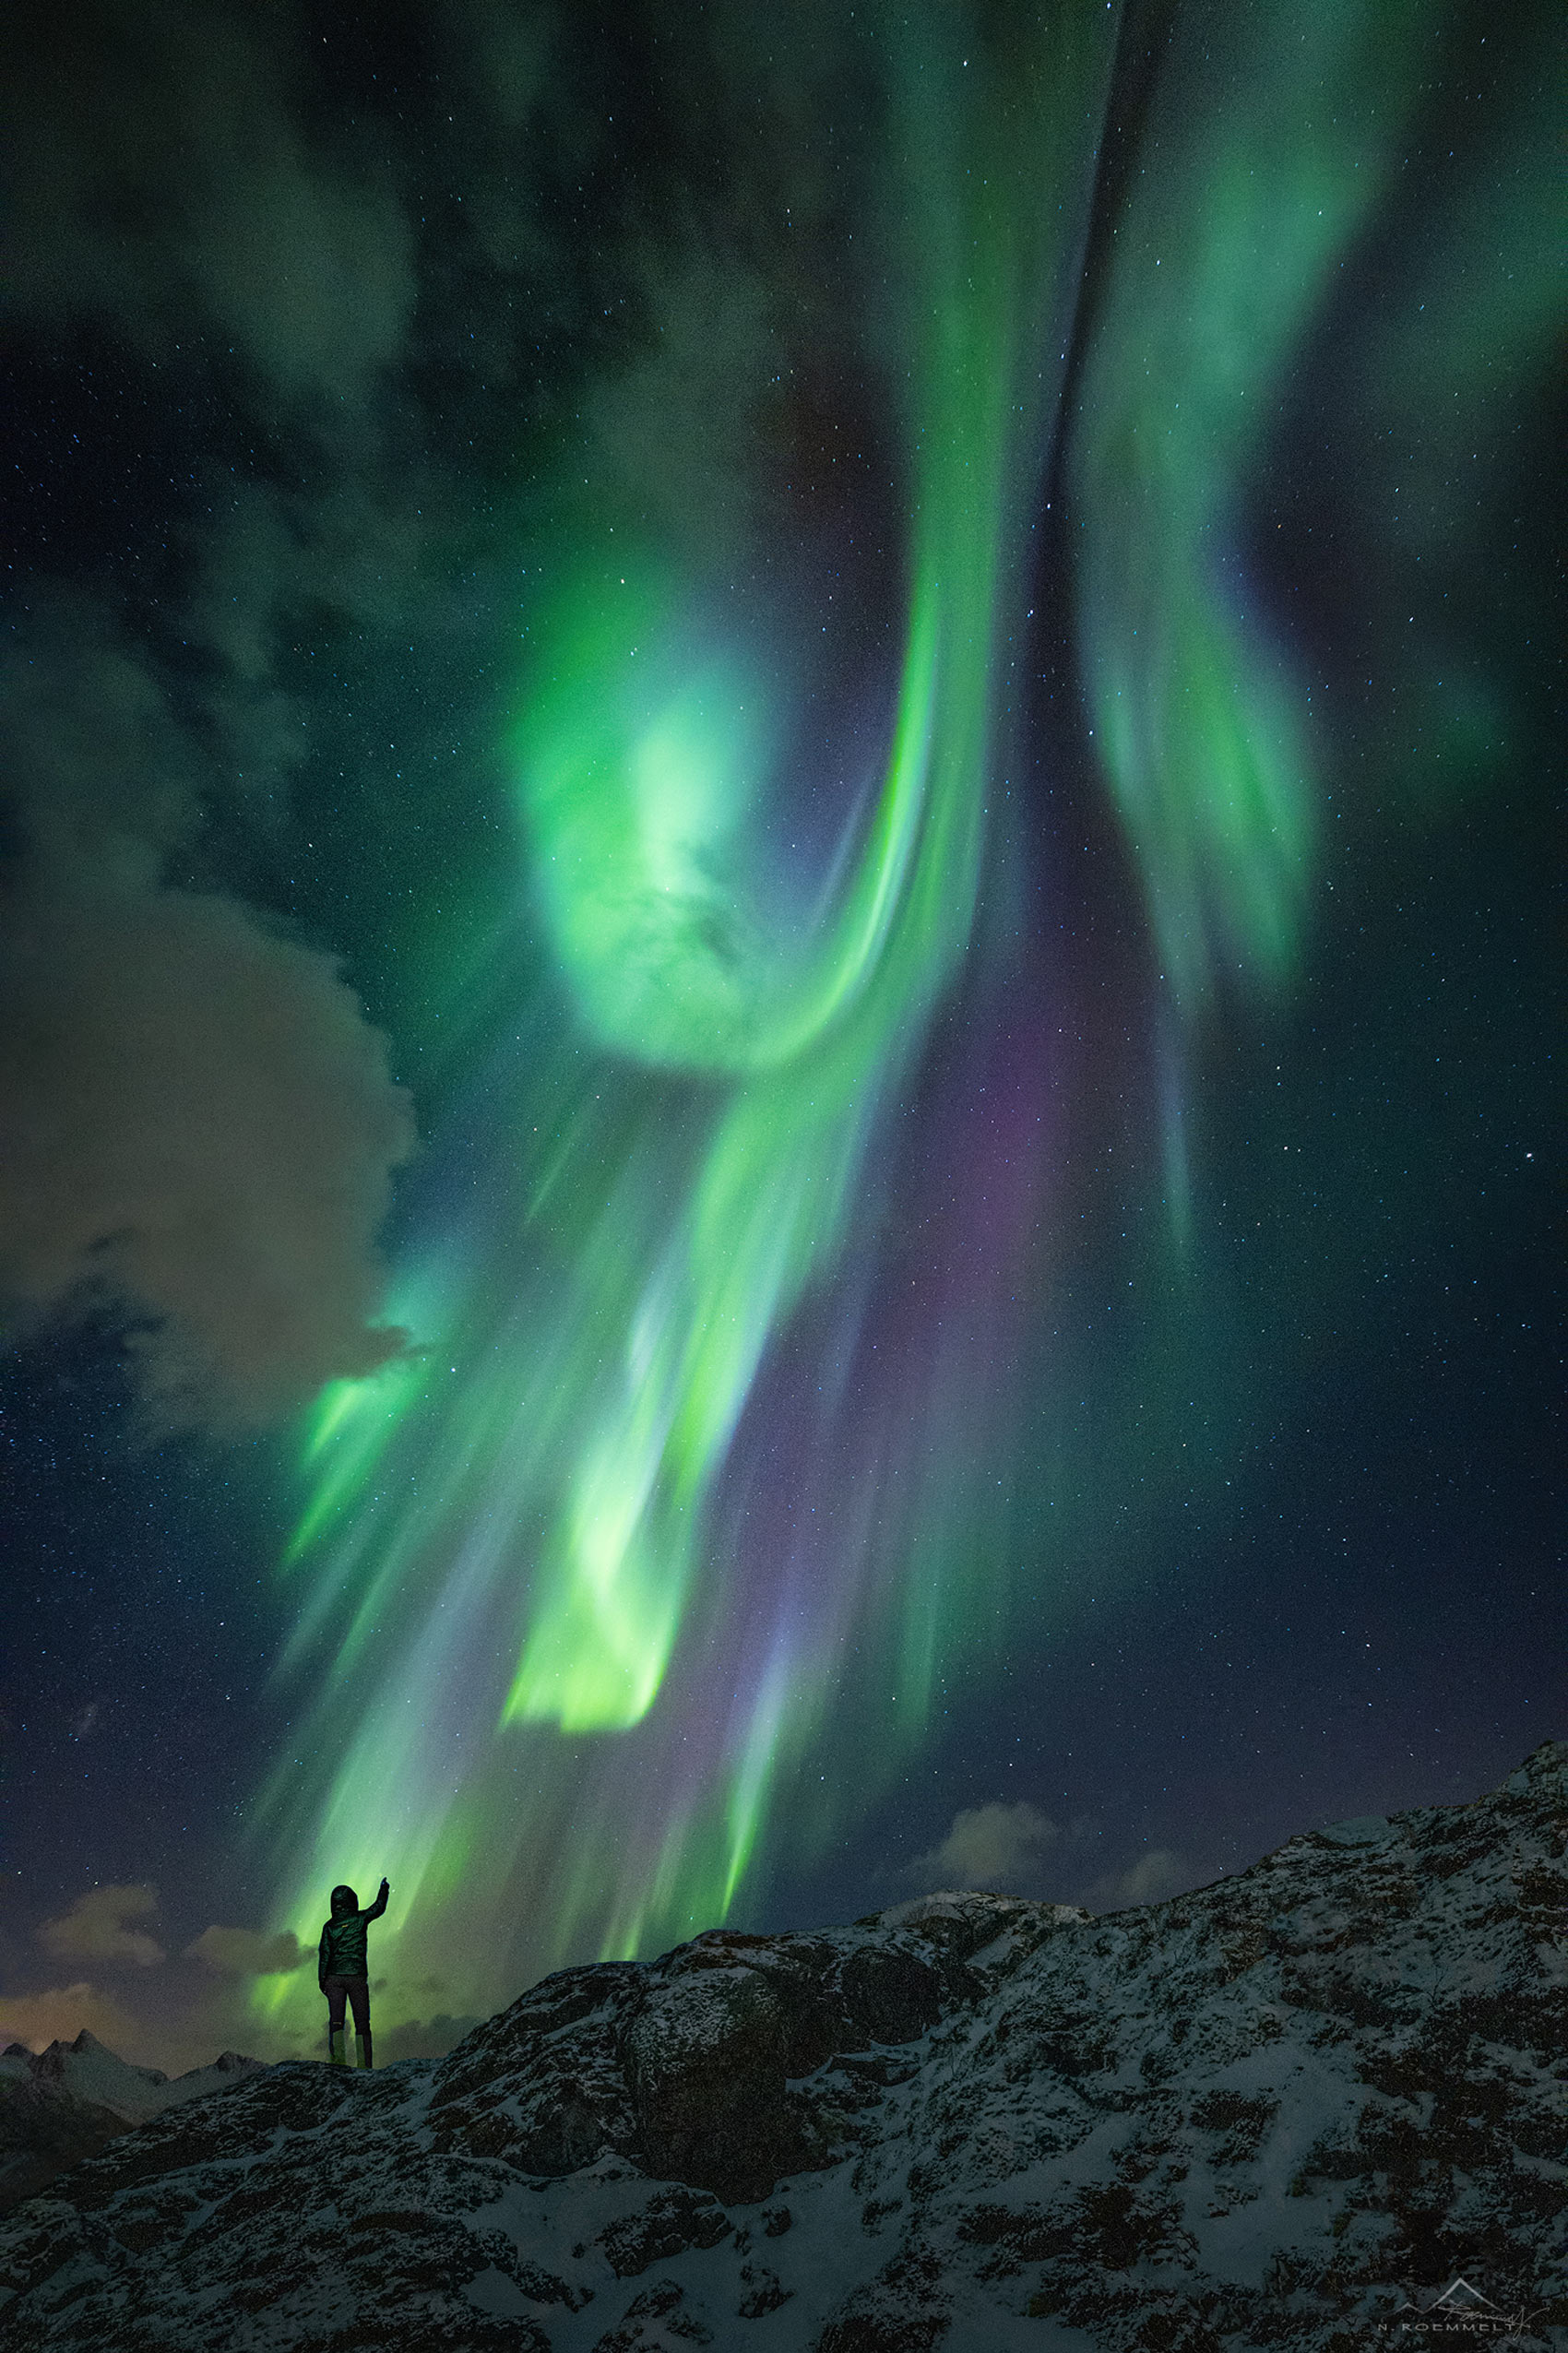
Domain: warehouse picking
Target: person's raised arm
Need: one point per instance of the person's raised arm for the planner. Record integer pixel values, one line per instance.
(380, 1903)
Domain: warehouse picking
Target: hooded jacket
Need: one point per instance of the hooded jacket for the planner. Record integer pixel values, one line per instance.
(342, 1949)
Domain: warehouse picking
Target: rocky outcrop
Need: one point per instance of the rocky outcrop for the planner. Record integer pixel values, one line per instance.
(1273, 2112)
(709, 2067)
(63, 2104)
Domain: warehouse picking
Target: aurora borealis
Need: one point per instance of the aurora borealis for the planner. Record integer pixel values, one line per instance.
(817, 609)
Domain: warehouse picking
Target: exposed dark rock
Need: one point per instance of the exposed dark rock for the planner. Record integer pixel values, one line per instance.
(890, 1997)
(671, 2221)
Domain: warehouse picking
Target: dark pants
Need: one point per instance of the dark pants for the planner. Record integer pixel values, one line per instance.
(355, 1991)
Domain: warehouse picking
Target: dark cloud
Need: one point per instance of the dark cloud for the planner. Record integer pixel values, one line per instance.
(249, 1952)
(164, 180)
(675, 431)
(98, 770)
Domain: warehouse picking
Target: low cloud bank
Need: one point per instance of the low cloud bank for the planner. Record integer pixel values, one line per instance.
(995, 1847)
(59, 2015)
(1005, 1850)
(1155, 1875)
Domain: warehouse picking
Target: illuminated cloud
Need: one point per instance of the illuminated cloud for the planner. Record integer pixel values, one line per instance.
(200, 1124)
(994, 1847)
(203, 1131)
(247, 1952)
(59, 2015)
(94, 1929)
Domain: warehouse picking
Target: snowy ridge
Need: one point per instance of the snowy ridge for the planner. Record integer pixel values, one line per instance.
(1278, 2111)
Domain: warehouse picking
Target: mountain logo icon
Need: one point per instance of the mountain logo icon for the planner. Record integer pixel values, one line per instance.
(1462, 2311)
(1463, 2298)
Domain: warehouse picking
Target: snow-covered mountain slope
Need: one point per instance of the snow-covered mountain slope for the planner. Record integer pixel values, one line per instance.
(1270, 2113)
(60, 2105)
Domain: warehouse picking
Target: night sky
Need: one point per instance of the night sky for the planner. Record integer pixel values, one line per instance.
(778, 927)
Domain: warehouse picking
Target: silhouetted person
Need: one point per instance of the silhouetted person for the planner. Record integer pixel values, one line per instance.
(342, 1972)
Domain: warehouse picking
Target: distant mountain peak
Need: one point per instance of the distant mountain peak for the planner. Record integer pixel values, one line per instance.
(62, 2104)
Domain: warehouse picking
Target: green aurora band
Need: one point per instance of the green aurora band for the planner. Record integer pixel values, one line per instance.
(564, 1690)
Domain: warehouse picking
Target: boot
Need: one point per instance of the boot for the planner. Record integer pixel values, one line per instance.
(337, 2056)
(365, 2059)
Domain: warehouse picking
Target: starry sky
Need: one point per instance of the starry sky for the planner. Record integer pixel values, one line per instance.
(776, 947)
